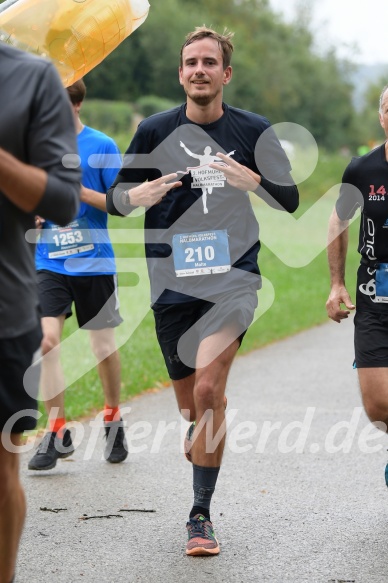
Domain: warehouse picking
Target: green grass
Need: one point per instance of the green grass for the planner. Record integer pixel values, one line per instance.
(296, 286)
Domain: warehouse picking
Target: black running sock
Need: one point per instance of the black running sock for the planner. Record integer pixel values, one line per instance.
(200, 510)
(204, 483)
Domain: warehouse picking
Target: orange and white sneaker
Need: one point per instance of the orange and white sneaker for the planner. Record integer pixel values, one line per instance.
(189, 436)
(202, 540)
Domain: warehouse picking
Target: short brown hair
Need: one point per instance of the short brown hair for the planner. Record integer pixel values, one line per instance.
(224, 41)
(77, 91)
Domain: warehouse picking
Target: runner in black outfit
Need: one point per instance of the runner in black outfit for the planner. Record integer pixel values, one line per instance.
(202, 258)
(365, 186)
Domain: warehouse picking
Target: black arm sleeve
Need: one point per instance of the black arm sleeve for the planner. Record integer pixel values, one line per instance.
(279, 196)
(114, 200)
(132, 174)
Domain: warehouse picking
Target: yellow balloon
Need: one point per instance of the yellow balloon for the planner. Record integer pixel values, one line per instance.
(75, 34)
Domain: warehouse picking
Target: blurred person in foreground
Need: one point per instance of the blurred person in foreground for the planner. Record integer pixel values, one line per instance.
(36, 133)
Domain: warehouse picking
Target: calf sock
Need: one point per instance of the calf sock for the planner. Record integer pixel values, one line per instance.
(57, 426)
(204, 483)
(111, 413)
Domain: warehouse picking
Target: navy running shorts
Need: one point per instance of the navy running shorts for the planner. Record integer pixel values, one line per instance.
(190, 322)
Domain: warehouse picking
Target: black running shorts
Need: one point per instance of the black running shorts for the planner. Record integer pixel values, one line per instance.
(190, 322)
(371, 339)
(19, 392)
(95, 298)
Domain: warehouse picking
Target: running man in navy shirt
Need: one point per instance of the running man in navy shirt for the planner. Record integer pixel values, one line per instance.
(202, 254)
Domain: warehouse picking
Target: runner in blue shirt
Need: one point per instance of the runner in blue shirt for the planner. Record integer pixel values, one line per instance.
(75, 265)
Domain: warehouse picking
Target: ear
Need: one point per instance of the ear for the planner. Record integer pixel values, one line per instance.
(77, 107)
(227, 75)
(180, 75)
(381, 118)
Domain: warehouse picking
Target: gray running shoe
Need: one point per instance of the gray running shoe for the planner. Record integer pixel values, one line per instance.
(50, 449)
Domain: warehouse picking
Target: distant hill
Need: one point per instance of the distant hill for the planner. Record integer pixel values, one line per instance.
(364, 76)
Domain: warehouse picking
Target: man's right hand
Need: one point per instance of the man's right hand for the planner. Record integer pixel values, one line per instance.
(149, 193)
(339, 296)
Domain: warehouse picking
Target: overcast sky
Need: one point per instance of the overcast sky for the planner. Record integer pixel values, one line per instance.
(344, 22)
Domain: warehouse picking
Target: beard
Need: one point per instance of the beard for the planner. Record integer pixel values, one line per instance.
(201, 99)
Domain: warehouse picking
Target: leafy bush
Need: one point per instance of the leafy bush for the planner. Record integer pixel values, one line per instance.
(150, 104)
(110, 117)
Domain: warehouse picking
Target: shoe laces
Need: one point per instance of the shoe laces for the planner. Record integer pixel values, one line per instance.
(200, 528)
(47, 441)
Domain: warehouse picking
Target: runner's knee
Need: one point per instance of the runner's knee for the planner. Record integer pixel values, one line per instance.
(377, 412)
(207, 397)
(102, 349)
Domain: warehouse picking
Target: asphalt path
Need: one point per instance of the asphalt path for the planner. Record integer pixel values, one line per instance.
(300, 497)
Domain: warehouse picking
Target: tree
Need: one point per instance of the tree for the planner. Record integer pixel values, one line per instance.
(276, 69)
(370, 129)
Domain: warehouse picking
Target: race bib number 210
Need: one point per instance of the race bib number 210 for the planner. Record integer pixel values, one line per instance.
(201, 253)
